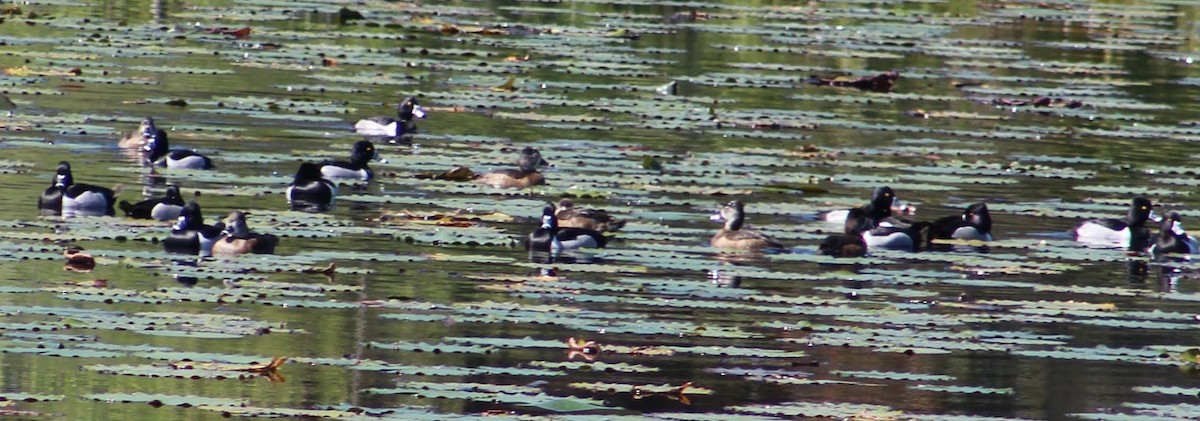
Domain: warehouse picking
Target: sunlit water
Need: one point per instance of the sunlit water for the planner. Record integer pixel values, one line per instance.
(1038, 362)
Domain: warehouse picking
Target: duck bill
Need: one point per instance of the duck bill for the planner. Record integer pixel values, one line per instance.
(180, 223)
(418, 112)
(716, 217)
(1154, 217)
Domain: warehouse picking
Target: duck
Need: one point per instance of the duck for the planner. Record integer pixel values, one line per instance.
(138, 138)
(237, 238)
(1130, 232)
(190, 235)
(850, 242)
(975, 223)
(1172, 239)
(309, 190)
(164, 208)
(64, 196)
(569, 216)
(393, 128)
(525, 175)
(551, 238)
(883, 205)
(361, 153)
(734, 235)
(158, 152)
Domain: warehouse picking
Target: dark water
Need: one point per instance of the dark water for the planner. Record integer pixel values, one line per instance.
(651, 288)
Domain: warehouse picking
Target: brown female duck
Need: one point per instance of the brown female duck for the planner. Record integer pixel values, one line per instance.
(593, 219)
(239, 240)
(735, 235)
(525, 175)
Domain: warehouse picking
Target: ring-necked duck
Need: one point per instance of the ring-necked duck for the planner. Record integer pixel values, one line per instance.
(309, 191)
(190, 235)
(735, 235)
(975, 223)
(237, 238)
(850, 242)
(65, 197)
(158, 152)
(164, 208)
(138, 138)
(551, 238)
(1172, 238)
(1130, 232)
(884, 204)
(361, 154)
(393, 128)
(524, 176)
(593, 219)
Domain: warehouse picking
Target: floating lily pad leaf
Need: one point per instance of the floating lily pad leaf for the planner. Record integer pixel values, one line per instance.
(598, 366)
(1130, 191)
(884, 375)
(169, 400)
(647, 388)
(262, 412)
(169, 372)
(1167, 390)
(180, 70)
(964, 389)
(27, 397)
(820, 410)
(432, 348)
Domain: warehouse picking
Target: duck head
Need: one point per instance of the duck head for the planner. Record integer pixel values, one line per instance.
(62, 175)
(189, 217)
(977, 215)
(408, 109)
(1171, 226)
(733, 214)
(856, 222)
(308, 172)
(1140, 210)
(364, 151)
(549, 221)
(882, 200)
(530, 160)
(147, 129)
(235, 224)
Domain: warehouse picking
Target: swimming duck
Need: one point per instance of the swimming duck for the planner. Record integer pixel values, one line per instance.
(975, 223)
(850, 242)
(526, 175)
(65, 197)
(597, 220)
(549, 237)
(158, 152)
(1130, 232)
(883, 205)
(309, 190)
(1172, 238)
(237, 238)
(361, 153)
(393, 128)
(138, 138)
(190, 235)
(164, 208)
(734, 235)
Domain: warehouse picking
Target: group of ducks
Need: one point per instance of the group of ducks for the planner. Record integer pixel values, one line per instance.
(311, 189)
(879, 224)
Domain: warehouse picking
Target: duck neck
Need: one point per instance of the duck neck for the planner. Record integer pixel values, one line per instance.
(735, 222)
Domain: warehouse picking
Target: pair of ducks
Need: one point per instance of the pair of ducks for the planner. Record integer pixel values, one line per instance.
(1132, 233)
(568, 227)
(190, 235)
(868, 226)
(156, 150)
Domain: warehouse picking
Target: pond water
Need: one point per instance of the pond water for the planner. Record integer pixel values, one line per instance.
(1050, 111)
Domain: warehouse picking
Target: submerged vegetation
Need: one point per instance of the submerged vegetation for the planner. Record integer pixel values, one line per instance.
(411, 295)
